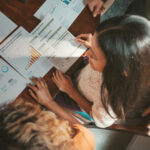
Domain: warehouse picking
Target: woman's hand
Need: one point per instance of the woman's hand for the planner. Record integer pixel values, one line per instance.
(96, 7)
(63, 82)
(85, 39)
(145, 113)
(39, 91)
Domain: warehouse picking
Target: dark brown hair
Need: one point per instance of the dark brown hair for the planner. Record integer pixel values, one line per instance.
(125, 42)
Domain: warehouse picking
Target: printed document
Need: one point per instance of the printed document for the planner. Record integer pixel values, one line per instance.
(64, 11)
(6, 26)
(11, 83)
(56, 42)
(23, 56)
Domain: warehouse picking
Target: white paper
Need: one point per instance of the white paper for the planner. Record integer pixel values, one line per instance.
(64, 11)
(18, 51)
(11, 83)
(57, 43)
(76, 5)
(6, 26)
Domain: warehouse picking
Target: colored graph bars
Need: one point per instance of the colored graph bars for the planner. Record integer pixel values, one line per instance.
(34, 56)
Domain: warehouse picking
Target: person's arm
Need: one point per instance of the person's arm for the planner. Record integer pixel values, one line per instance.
(39, 91)
(96, 6)
(78, 98)
(53, 106)
(64, 84)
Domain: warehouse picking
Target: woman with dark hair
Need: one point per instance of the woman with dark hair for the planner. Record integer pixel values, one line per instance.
(116, 80)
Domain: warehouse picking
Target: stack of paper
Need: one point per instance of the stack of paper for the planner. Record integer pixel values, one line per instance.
(34, 54)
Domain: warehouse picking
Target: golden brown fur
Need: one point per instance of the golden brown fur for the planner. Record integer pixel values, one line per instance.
(32, 128)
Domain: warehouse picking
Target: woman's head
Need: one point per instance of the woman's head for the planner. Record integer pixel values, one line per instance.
(27, 126)
(125, 44)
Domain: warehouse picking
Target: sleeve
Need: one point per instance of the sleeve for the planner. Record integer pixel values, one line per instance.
(101, 117)
(84, 139)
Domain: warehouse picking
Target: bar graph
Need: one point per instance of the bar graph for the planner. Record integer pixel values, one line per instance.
(34, 56)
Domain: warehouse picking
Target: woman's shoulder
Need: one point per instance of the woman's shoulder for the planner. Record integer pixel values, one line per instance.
(84, 138)
(87, 71)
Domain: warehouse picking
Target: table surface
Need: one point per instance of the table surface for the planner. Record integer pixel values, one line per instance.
(22, 14)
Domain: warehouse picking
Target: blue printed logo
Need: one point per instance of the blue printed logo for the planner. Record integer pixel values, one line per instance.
(4, 69)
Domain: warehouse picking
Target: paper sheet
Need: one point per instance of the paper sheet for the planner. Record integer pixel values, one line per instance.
(6, 26)
(64, 11)
(18, 51)
(11, 83)
(76, 5)
(57, 43)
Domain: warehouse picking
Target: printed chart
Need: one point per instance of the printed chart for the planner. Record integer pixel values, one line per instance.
(11, 83)
(34, 56)
(57, 43)
(23, 56)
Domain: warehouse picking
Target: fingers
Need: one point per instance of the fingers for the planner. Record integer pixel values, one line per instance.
(39, 82)
(43, 83)
(57, 76)
(97, 10)
(95, 6)
(32, 94)
(83, 42)
(36, 82)
(60, 76)
(85, 36)
(91, 6)
(33, 87)
(84, 39)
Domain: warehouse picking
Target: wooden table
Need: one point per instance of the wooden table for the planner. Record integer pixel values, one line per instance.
(22, 14)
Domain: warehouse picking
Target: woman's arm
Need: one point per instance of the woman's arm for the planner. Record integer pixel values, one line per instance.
(96, 6)
(64, 84)
(76, 96)
(39, 91)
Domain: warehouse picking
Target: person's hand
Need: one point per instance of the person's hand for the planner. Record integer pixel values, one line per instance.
(39, 91)
(145, 113)
(85, 39)
(63, 82)
(96, 7)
